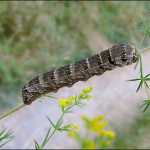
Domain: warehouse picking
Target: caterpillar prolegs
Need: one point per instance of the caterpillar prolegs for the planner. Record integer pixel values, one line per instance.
(118, 55)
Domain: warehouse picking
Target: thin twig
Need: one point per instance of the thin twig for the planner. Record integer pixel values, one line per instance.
(19, 107)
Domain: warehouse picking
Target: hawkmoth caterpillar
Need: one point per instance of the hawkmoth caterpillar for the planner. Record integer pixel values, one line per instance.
(118, 55)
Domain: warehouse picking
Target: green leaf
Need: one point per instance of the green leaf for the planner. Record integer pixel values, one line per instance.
(57, 124)
(6, 136)
(68, 126)
(69, 104)
(69, 111)
(60, 129)
(7, 141)
(137, 63)
(68, 108)
(60, 123)
(147, 8)
(147, 79)
(76, 99)
(147, 75)
(146, 100)
(45, 140)
(133, 79)
(148, 32)
(146, 85)
(3, 131)
(142, 105)
(36, 145)
(138, 29)
(140, 86)
(79, 105)
(8, 133)
(79, 102)
(139, 23)
(146, 107)
(50, 122)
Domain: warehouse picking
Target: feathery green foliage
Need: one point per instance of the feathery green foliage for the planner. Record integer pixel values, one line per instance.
(6, 136)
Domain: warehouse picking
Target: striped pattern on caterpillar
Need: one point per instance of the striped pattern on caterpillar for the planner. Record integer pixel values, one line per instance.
(118, 55)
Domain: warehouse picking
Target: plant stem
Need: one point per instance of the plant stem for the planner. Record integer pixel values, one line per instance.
(19, 107)
(141, 41)
(53, 132)
(50, 96)
(141, 65)
(147, 93)
(55, 127)
(48, 138)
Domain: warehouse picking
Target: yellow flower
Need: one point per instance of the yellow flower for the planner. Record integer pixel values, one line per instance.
(110, 134)
(76, 131)
(88, 90)
(90, 96)
(89, 145)
(96, 126)
(83, 117)
(86, 119)
(75, 125)
(92, 145)
(84, 104)
(82, 94)
(62, 102)
(84, 90)
(100, 117)
(104, 124)
(73, 97)
(70, 133)
(91, 87)
(68, 101)
(103, 132)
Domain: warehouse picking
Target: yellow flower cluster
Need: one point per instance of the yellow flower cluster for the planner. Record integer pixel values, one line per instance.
(74, 129)
(109, 134)
(95, 124)
(64, 102)
(89, 144)
(85, 91)
(104, 137)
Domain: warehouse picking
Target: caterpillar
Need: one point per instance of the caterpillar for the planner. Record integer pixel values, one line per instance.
(118, 55)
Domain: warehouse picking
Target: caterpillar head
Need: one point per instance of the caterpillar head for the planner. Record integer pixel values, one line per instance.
(123, 54)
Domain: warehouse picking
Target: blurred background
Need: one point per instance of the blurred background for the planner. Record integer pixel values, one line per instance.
(36, 37)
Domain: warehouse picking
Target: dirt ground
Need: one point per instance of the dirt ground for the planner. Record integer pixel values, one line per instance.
(112, 97)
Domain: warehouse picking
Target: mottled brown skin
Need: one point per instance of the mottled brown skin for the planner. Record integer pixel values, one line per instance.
(119, 55)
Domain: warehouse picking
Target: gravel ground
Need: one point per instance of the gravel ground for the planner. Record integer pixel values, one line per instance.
(112, 97)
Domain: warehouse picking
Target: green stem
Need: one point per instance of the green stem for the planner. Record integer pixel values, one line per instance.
(48, 138)
(142, 41)
(56, 128)
(53, 132)
(19, 107)
(147, 93)
(141, 65)
(50, 96)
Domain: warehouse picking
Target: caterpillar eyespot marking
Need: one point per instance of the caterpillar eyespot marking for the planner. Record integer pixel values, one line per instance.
(119, 55)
